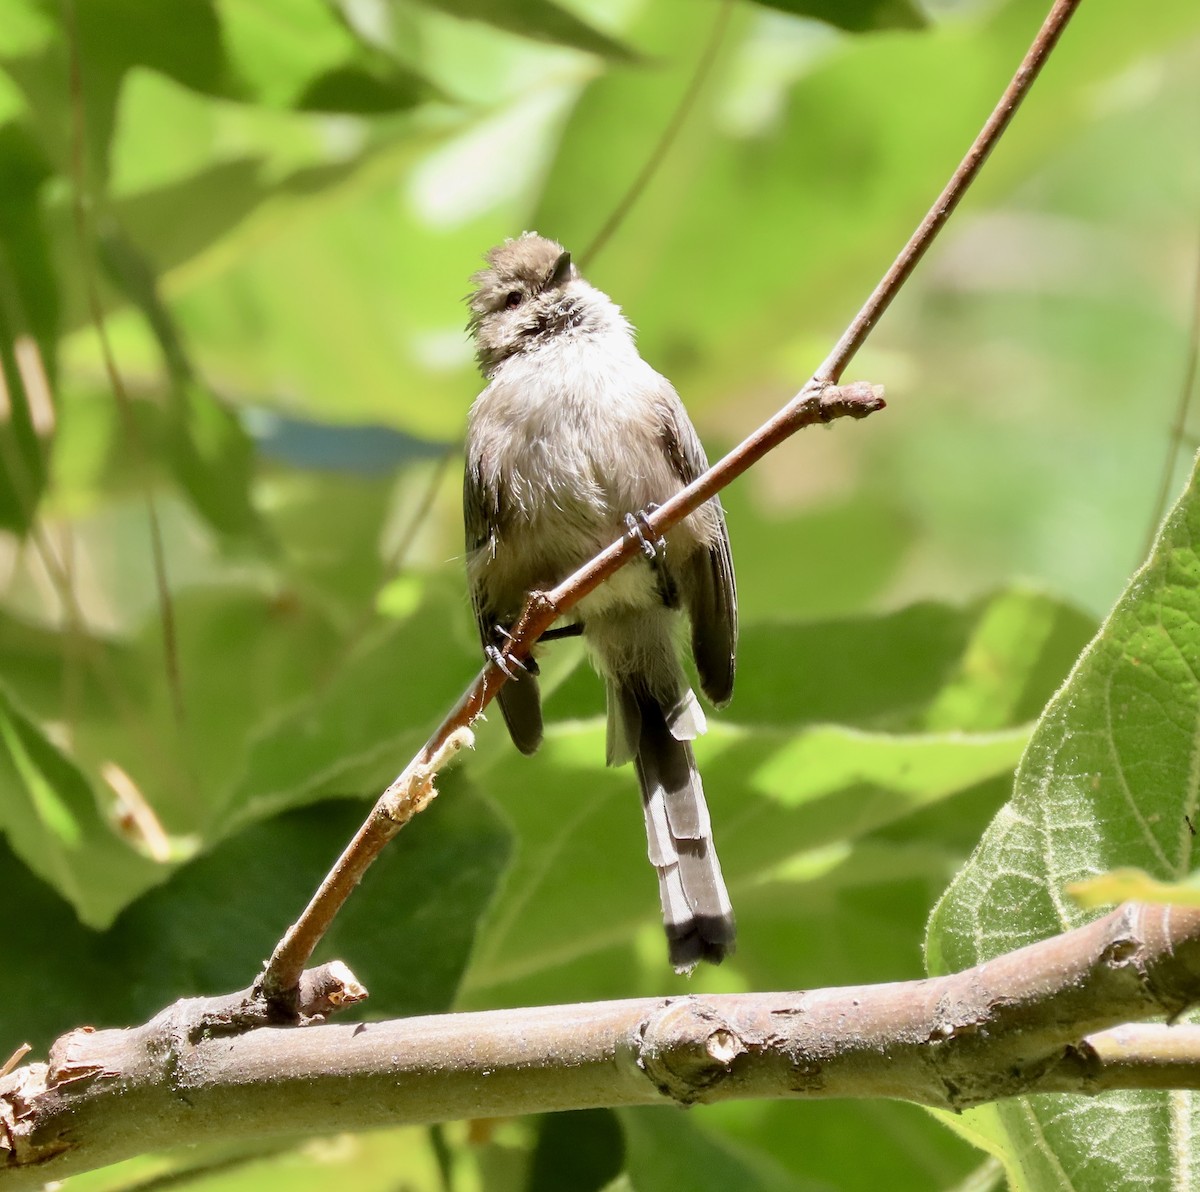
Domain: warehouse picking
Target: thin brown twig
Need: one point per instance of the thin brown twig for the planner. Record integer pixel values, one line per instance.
(819, 401)
(989, 136)
(1187, 387)
(626, 203)
(83, 230)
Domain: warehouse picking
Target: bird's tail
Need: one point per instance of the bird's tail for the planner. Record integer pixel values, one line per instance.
(697, 913)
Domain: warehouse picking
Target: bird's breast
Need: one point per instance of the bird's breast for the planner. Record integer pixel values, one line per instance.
(572, 438)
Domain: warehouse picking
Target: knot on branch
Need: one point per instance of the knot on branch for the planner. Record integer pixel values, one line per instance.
(1162, 945)
(856, 400)
(687, 1048)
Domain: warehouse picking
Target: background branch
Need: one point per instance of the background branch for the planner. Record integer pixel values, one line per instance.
(1034, 1020)
(626, 203)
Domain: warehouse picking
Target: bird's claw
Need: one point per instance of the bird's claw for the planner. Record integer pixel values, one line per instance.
(512, 666)
(638, 525)
(655, 552)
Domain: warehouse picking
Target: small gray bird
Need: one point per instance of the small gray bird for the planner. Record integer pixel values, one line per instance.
(574, 437)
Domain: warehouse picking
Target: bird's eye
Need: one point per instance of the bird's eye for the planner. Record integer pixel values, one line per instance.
(513, 299)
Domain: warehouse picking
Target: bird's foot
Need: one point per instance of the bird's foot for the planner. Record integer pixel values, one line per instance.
(638, 525)
(655, 551)
(511, 666)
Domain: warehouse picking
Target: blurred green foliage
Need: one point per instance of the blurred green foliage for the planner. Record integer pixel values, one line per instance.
(271, 211)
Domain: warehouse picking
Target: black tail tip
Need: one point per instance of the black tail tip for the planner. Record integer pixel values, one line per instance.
(704, 937)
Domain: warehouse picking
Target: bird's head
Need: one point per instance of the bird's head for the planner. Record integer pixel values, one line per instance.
(528, 293)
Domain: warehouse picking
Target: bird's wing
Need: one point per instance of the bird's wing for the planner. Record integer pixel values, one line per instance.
(709, 590)
(519, 698)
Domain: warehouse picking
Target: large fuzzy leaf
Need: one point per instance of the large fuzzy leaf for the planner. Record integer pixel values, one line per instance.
(1109, 780)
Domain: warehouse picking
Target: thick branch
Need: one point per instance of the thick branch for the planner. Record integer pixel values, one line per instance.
(1017, 1024)
(818, 401)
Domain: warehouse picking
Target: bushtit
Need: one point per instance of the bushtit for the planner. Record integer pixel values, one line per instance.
(573, 438)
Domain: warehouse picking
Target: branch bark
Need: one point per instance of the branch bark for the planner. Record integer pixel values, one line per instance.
(1036, 1020)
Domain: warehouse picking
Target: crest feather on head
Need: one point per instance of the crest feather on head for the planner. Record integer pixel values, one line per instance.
(524, 261)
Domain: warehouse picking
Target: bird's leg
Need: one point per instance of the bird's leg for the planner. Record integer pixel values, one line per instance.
(575, 629)
(655, 551)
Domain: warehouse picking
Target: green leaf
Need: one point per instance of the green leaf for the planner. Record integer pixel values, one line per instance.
(28, 329)
(242, 657)
(1020, 647)
(669, 1148)
(208, 928)
(304, 54)
(855, 16)
(207, 449)
(1108, 781)
(358, 728)
(365, 1162)
(28, 25)
(50, 817)
(26, 266)
(774, 795)
(221, 195)
(181, 40)
(374, 326)
(990, 664)
(576, 1152)
(22, 465)
(821, 1143)
(213, 460)
(354, 89)
(542, 20)
(775, 555)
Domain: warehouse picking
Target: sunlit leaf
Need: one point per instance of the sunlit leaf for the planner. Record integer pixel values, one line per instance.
(50, 817)
(1108, 782)
(1130, 884)
(206, 448)
(303, 54)
(773, 795)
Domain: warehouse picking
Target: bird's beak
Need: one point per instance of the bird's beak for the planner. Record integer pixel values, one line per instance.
(562, 270)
